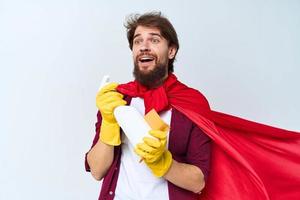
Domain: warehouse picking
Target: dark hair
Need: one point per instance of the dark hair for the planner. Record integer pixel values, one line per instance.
(153, 20)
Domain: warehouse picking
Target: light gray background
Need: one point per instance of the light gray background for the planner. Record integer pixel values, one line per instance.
(243, 55)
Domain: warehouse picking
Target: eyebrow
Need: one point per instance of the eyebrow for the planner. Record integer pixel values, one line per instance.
(153, 34)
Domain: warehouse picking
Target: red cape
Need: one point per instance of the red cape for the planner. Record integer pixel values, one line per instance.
(250, 161)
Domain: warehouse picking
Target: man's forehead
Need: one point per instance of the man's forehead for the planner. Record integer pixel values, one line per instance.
(143, 30)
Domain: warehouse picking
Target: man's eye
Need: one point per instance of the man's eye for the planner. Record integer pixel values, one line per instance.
(137, 41)
(154, 40)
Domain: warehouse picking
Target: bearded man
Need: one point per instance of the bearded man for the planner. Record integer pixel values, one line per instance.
(183, 163)
(180, 169)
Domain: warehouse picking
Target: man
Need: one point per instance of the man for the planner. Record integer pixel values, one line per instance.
(246, 160)
(175, 164)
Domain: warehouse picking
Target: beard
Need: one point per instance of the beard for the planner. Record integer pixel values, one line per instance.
(153, 78)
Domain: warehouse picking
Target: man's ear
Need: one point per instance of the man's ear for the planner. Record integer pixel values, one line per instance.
(172, 52)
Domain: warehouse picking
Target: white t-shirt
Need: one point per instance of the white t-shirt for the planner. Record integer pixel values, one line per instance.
(136, 181)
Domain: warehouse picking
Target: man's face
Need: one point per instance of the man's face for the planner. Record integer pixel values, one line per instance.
(151, 54)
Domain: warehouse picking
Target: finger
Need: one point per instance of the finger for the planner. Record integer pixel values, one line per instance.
(152, 142)
(111, 105)
(146, 156)
(109, 98)
(146, 147)
(110, 94)
(107, 108)
(158, 134)
(109, 87)
(141, 153)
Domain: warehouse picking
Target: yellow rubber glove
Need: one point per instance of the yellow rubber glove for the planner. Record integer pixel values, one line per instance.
(107, 100)
(154, 152)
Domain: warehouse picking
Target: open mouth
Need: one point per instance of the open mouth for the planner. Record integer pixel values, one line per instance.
(146, 59)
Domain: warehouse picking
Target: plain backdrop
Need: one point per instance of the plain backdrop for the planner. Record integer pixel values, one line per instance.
(242, 55)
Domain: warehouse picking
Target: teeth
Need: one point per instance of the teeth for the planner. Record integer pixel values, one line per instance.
(146, 59)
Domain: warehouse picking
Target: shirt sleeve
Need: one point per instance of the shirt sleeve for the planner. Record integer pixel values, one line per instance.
(95, 140)
(199, 150)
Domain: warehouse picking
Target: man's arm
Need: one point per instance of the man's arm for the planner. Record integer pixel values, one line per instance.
(190, 175)
(160, 162)
(186, 176)
(100, 158)
(101, 155)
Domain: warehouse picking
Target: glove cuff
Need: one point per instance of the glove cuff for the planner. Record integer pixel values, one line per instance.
(110, 133)
(165, 162)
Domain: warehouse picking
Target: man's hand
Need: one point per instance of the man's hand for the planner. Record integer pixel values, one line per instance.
(107, 100)
(154, 152)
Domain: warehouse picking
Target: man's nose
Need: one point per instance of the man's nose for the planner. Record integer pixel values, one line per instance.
(145, 47)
